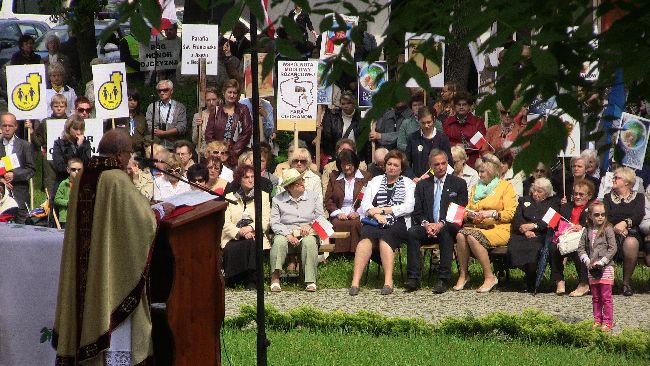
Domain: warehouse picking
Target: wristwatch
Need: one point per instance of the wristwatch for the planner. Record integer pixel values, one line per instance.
(383, 212)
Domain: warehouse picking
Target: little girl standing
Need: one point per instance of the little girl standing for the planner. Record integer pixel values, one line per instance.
(596, 250)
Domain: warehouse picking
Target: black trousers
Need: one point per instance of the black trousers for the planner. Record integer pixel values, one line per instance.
(557, 265)
(417, 237)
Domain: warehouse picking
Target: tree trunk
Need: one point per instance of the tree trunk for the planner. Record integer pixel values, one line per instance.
(458, 59)
(83, 28)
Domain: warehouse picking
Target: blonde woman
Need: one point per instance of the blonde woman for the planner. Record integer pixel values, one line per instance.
(492, 203)
(220, 150)
(461, 169)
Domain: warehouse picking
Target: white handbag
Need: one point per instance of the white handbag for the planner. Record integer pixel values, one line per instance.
(569, 241)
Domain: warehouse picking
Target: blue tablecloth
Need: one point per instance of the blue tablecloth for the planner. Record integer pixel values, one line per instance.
(30, 258)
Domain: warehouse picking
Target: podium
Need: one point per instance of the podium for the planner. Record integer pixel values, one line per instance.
(187, 288)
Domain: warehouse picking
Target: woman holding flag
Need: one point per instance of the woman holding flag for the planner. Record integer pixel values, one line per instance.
(343, 197)
(491, 208)
(387, 206)
(529, 230)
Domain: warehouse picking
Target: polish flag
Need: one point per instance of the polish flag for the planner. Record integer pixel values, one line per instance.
(551, 218)
(323, 228)
(270, 30)
(361, 193)
(8, 163)
(478, 140)
(455, 213)
(167, 16)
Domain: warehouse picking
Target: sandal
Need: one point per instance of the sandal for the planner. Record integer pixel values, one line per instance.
(311, 287)
(627, 290)
(275, 287)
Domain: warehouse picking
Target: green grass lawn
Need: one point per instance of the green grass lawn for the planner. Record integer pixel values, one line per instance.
(305, 347)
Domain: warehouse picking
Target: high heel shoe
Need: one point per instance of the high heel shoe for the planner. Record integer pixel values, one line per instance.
(483, 290)
(462, 286)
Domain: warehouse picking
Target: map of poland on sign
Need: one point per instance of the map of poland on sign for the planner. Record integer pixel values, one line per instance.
(297, 94)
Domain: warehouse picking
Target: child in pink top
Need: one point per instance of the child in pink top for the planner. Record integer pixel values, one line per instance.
(597, 249)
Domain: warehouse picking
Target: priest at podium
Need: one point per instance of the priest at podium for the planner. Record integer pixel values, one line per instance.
(102, 315)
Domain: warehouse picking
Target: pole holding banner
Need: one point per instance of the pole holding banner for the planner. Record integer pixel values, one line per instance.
(201, 86)
(56, 217)
(319, 133)
(31, 180)
(373, 124)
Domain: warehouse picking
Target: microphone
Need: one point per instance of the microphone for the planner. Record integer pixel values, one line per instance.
(148, 161)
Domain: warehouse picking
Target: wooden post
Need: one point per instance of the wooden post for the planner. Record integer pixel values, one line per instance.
(31, 180)
(319, 133)
(113, 122)
(295, 137)
(487, 111)
(200, 101)
(56, 217)
(563, 179)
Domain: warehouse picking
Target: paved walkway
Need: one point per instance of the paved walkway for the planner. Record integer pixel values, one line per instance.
(628, 311)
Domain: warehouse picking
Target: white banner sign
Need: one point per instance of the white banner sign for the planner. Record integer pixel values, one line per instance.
(166, 58)
(27, 98)
(109, 85)
(434, 70)
(572, 148)
(297, 95)
(200, 41)
(94, 131)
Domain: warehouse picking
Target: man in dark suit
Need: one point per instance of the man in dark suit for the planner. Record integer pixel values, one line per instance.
(16, 180)
(432, 197)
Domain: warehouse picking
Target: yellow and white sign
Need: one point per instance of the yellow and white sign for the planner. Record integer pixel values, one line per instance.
(26, 91)
(93, 131)
(109, 83)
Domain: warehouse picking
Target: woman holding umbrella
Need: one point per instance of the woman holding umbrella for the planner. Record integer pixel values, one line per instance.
(529, 230)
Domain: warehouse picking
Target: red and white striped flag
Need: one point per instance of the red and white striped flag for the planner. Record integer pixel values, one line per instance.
(455, 213)
(8, 163)
(167, 16)
(270, 30)
(323, 228)
(478, 140)
(551, 218)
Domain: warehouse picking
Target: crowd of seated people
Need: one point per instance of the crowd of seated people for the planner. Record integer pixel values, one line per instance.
(389, 190)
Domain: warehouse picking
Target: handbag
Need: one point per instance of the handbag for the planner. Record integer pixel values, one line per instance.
(569, 241)
(370, 221)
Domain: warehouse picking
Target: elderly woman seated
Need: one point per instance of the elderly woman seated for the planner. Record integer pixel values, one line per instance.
(238, 235)
(625, 209)
(529, 230)
(387, 206)
(491, 208)
(141, 178)
(461, 169)
(165, 186)
(300, 160)
(292, 213)
(342, 199)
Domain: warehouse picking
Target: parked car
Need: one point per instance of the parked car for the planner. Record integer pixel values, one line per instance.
(10, 32)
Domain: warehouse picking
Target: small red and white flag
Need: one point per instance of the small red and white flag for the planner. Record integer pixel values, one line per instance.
(167, 16)
(323, 228)
(455, 213)
(270, 30)
(478, 140)
(551, 218)
(8, 163)
(361, 193)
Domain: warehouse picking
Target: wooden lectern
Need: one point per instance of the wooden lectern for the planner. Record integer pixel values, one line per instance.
(187, 288)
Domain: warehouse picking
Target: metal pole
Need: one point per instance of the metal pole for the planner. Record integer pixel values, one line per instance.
(262, 341)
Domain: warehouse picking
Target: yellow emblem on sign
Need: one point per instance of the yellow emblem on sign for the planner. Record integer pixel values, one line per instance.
(110, 93)
(26, 96)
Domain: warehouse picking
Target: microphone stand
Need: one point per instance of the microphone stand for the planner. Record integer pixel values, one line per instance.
(183, 179)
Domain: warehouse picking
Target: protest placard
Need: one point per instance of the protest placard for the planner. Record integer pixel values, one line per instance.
(332, 40)
(633, 139)
(200, 41)
(435, 69)
(265, 84)
(297, 95)
(486, 63)
(109, 85)
(572, 147)
(370, 78)
(324, 88)
(94, 130)
(160, 54)
(26, 95)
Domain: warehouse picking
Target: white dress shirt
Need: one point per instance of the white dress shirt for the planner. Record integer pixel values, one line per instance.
(405, 209)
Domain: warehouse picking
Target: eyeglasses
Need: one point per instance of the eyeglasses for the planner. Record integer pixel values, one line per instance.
(579, 194)
(84, 110)
(213, 167)
(164, 90)
(218, 152)
(176, 170)
(615, 178)
(74, 170)
(598, 214)
(301, 161)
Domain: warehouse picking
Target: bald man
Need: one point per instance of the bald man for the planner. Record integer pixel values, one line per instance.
(16, 181)
(104, 266)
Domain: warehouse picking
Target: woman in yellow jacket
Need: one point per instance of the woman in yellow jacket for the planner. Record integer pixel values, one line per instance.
(491, 208)
(238, 234)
